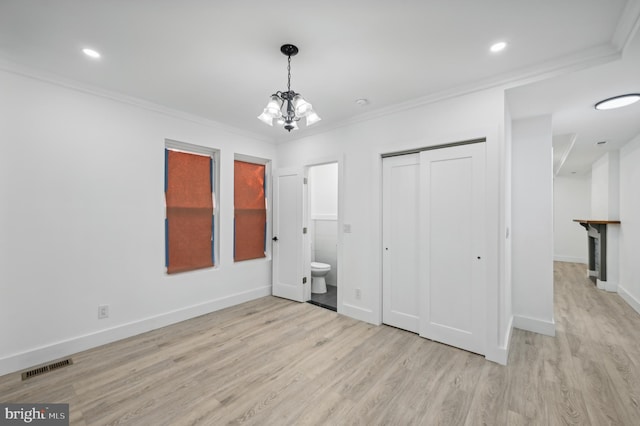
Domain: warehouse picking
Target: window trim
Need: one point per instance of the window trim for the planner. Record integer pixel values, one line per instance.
(214, 153)
(268, 197)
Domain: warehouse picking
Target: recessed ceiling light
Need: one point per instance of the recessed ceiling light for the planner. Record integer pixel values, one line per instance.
(498, 47)
(618, 101)
(91, 53)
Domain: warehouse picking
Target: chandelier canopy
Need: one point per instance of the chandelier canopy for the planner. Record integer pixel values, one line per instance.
(287, 108)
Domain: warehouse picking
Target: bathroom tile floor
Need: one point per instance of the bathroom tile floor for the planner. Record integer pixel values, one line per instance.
(328, 300)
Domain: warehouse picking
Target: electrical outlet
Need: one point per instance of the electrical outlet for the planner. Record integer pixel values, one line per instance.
(358, 293)
(103, 311)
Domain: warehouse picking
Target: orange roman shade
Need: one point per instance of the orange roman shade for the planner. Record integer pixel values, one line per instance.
(250, 211)
(189, 227)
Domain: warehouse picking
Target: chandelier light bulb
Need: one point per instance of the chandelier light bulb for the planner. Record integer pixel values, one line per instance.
(312, 118)
(266, 118)
(273, 107)
(301, 106)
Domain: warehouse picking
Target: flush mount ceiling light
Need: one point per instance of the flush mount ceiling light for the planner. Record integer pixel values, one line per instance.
(287, 108)
(618, 101)
(91, 53)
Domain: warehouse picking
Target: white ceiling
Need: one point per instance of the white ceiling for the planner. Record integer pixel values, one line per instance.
(570, 98)
(221, 60)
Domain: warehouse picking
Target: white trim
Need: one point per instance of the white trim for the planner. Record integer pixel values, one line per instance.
(591, 273)
(570, 259)
(356, 312)
(627, 25)
(268, 195)
(341, 308)
(607, 285)
(566, 153)
(251, 159)
(500, 354)
(548, 328)
(324, 217)
(47, 353)
(57, 80)
(629, 298)
(190, 148)
(598, 55)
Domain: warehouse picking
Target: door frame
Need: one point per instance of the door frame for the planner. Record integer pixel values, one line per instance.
(339, 159)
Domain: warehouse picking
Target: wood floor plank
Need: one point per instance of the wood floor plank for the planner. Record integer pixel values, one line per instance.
(275, 362)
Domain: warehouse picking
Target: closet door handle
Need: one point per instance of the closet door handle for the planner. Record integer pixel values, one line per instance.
(275, 238)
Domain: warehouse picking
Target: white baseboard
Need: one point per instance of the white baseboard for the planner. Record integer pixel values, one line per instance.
(548, 328)
(500, 354)
(630, 299)
(47, 353)
(358, 313)
(570, 259)
(607, 285)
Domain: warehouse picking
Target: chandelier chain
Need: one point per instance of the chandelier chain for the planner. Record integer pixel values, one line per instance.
(289, 75)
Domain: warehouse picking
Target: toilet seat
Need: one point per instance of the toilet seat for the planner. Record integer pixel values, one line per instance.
(319, 266)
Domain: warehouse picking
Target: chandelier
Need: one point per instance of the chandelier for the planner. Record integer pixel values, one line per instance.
(287, 108)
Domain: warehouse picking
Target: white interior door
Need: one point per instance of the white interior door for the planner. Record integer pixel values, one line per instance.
(400, 241)
(452, 194)
(287, 234)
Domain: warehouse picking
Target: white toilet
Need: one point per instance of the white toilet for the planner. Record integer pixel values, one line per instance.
(318, 272)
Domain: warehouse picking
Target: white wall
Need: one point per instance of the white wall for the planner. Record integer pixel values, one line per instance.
(629, 283)
(571, 200)
(82, 219)
(532, 197)
(605, 205)
(506, 204)
(361, 144)
(605, 184)
(600, 188)
(323, 191)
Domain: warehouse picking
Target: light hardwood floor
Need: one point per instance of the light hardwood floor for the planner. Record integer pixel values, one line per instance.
(275, 362)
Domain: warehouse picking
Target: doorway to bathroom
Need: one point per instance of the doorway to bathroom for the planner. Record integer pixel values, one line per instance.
(322, 229)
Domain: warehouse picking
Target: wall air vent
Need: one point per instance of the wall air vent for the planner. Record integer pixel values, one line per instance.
(37, 371)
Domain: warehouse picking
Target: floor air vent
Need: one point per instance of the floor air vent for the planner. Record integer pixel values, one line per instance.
(37, 371)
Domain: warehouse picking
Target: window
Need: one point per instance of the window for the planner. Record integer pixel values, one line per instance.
(190, 207)
(250, 214)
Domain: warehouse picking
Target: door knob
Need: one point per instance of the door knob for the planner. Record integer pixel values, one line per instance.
(275, 238)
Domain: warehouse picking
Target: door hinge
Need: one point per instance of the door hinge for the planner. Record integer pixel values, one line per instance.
(304, 230)
(305, 181)
(304, 280)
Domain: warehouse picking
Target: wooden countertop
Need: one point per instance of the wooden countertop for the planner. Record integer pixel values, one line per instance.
(597, 222)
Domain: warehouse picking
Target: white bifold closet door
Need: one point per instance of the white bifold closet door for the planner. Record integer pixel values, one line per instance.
(435, 257)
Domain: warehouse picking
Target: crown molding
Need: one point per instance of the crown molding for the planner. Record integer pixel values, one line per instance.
(585, 59)
(627, 26)
(566, 153)
(25, 71)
